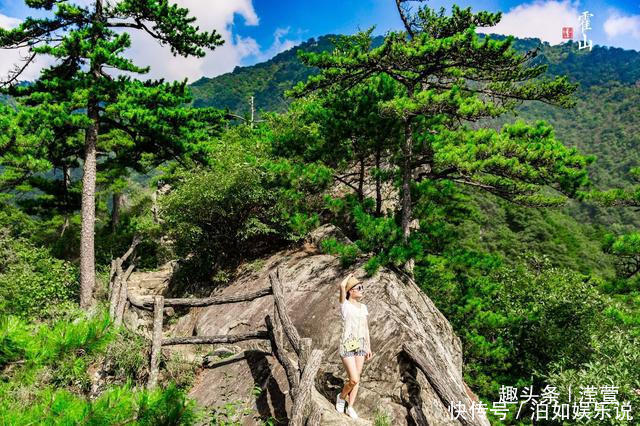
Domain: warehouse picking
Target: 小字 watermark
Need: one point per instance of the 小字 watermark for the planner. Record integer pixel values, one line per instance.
(585, 25)
(595, 403)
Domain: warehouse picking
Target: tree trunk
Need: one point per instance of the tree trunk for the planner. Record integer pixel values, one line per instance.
(252, 113)
(156, 341)
(361, 181)
(66, 181)
(65, 225)
(378, 186)
(87, 253)
(407, 149)
(154, 206)
(117, 201)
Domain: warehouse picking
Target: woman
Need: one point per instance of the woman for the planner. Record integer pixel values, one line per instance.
(355, 346)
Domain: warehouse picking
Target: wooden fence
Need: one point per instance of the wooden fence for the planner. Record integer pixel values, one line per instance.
(300, 377)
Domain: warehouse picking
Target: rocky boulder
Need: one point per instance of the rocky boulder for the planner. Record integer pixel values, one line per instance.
(147, 283)
(391, 383)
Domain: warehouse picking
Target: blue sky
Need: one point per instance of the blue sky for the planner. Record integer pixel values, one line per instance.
(256, 30)
(306, 19)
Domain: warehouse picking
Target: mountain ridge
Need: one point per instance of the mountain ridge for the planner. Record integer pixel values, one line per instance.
(285, 69)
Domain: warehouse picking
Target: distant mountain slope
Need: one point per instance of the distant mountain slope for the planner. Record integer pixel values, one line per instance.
(605, 121)
(268, 80)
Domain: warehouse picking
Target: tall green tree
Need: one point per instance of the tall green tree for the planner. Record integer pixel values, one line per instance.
(342, 128)
(449, 77)
(86, 46)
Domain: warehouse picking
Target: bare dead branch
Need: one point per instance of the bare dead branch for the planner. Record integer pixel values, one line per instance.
(287, 324)
(224, 338)
(156, 342)
(274, 328)
(145, 302)
(14, 74)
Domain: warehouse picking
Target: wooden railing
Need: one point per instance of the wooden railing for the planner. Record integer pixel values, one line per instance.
(300, 378)
(158, 303)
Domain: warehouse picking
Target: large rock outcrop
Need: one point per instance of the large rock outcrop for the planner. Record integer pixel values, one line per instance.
(390, 382)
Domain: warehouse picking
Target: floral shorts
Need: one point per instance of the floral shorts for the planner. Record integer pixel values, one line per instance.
(360, 352)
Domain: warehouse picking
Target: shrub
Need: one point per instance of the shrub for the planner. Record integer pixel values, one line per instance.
(126, 357)
(118, 405)
(222, 216)
(31, 280)
(513, 321)
(45, 379)
(615, 362)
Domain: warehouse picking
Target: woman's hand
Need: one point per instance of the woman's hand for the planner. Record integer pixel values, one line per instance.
(368, 356)
(343, 283)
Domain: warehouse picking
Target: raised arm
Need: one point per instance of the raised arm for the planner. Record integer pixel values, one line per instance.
(343, 291)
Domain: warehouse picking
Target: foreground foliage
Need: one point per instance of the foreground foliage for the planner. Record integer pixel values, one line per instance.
(46, 376)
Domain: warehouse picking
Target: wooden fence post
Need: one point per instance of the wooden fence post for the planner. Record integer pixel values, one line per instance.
(301, 380)
(156, 341)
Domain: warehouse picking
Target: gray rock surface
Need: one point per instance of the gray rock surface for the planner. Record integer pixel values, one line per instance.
(390, 382)
(147, 283)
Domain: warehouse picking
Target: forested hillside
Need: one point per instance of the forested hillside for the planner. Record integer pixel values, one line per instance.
(268, 80)
(605, 122)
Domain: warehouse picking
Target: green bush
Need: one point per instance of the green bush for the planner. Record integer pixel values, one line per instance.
(31, 280)
(219, 216)
(118, 405)
(615, 362)
(127, 357)
(44, 372)
(15, 340)
(513, 322)
(44, 344)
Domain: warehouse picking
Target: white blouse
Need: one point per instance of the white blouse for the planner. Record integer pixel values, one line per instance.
(354, 325)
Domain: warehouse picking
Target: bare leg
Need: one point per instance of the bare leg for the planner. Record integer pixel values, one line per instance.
(352, 371)
(354, 391)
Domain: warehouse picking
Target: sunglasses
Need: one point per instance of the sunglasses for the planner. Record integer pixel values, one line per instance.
(359, 287)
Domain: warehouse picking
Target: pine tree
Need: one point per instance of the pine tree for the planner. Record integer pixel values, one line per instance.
(350, 128)
(86, 45)
(625, 247)
(449, 77)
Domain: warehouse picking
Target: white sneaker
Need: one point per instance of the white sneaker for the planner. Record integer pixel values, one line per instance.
(352, 413)
(340, 403)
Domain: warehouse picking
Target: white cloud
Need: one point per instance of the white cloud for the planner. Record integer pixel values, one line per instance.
(280, 44)
(12, 58)
(145, 50)
(540, 19)
(7, 22)
(246, 46)
(209, 14)
(617, 25)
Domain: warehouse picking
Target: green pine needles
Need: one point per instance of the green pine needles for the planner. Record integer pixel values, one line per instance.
(408, 107)
(80, 113)
(45, 378)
